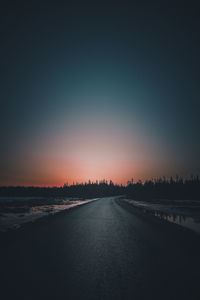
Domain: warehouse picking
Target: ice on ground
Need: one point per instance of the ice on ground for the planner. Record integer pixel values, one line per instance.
(19, 210)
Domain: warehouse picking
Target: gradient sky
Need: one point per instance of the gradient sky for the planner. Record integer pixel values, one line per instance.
(98, 90)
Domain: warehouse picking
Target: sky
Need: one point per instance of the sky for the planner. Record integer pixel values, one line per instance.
(98, 90)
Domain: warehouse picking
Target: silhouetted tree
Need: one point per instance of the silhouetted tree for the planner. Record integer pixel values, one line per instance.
(159, 188)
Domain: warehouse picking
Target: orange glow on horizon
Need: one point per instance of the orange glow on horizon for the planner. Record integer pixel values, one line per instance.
(86, 153)
(49, 172)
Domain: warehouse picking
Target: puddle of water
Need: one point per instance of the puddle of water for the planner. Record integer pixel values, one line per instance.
(183, 213)
(185, 221)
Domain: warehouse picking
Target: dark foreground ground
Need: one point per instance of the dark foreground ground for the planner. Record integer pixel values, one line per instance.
(101, 250)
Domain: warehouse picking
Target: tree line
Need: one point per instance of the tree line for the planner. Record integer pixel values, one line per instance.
(160, 188)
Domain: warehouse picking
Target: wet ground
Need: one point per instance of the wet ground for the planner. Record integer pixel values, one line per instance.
(17, 211)
(185, 213)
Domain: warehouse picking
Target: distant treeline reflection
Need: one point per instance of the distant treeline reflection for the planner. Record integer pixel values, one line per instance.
(161, 188)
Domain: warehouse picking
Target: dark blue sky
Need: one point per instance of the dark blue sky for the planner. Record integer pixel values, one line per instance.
(100, 89)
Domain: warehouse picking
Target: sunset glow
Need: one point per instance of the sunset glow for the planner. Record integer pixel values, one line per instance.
(97, 101)
(83, 152)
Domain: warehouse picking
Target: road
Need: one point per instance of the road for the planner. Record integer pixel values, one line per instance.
(99, 251)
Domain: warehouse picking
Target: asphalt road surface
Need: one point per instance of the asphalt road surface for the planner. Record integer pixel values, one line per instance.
(99, 251)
